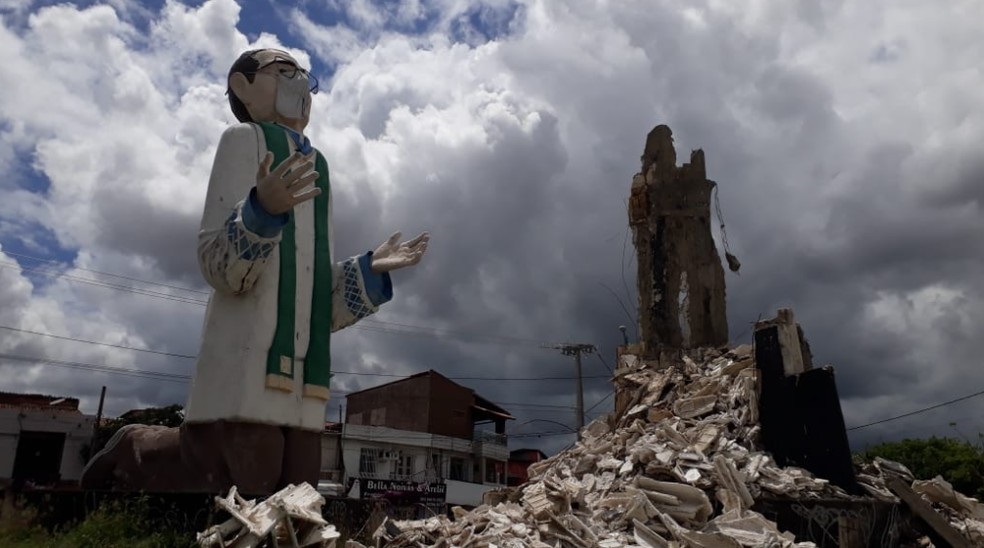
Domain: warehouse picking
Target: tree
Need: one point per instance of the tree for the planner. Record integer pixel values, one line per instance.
(959, 462)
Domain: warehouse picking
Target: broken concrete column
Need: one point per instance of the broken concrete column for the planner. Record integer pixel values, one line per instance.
(800, 413)
(680, 278)
(794, 351)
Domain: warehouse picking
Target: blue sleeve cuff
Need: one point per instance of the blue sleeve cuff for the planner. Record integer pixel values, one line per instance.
(258, 221)
(379, 287)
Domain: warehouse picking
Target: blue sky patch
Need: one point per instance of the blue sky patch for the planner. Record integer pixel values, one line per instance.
(484, 23)
(36, 249)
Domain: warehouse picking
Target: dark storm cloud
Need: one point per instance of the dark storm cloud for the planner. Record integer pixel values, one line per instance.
(869, 233)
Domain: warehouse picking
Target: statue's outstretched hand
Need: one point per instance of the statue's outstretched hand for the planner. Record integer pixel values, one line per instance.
(391, 255)
(283, 188)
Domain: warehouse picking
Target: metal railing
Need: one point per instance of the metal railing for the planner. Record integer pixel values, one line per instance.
(484, 436)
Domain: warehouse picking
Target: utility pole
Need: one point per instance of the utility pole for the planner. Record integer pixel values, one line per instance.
(576, 350)
(95, 427)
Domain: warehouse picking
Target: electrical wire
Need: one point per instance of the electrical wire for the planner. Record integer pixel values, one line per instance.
(159, 375)
(110, 345)
(369, 324)
(384, 437)
(918, 411)
(52, 268)
(599, 402)
(96, 283)
(362, 373)
(381, 327)
(100, 272)
(604, 362)
(58, 273)
(358, 373)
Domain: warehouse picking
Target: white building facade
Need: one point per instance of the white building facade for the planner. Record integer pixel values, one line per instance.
(468, 468)
(42, 439)
(424, 433)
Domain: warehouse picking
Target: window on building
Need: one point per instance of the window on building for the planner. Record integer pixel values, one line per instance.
(404, 465)
(355, 418)
(456, 469)
(367, 462)
(495, 471)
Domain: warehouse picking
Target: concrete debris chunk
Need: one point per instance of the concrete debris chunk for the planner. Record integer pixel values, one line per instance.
(964, 513)
(290, 517)
(694, 407)
(647, 537)
(682, 434)
(749, 528)
(681, 501)
(939, 491)
(729, 478)
(536, 500)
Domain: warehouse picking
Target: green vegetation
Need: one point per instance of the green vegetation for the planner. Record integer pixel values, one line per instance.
(959, 462)
(116, 525)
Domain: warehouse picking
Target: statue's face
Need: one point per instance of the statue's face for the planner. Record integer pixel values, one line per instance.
(280, 91)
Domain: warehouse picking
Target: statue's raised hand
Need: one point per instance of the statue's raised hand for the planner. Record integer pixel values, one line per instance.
(391, 255)
(283, 188)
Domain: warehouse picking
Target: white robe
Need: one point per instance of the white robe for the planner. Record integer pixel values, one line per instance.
(239, 325)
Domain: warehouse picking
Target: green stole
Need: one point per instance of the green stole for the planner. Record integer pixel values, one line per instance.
(280, 358)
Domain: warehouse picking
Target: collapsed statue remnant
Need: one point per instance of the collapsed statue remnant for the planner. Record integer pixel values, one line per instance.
(257, 406)
(680, 278)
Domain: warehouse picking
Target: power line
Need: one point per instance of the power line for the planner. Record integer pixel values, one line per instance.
(73, 339)
(599, 402)
(188, 377)
(358, 373)
(604, 362)
(164, 376)
(419, 330)
(361, 373)
(159, 375)
(918, 411)
(184, 378)
(619, 299)
(541, 407)
(565, 407)
(59, 263)
(542, 434)
(438, 330)
(369, 324)
(97, 283)
(384, 437)
(59, 273)
(379, 327)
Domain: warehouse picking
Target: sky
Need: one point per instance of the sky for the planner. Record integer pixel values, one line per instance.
(844, 136)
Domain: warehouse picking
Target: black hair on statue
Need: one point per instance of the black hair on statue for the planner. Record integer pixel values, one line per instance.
(247, 65)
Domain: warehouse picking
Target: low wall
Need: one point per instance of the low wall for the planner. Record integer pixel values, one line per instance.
(194, 512)
(867, 523)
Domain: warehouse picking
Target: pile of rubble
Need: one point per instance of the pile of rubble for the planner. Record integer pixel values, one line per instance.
(291, 517)
(681, 466)
(884, 479)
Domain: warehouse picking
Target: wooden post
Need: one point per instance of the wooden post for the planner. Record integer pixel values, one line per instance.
(926, 513)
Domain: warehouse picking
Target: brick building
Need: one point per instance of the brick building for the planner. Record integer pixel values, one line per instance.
(519, 461)
(426, 429)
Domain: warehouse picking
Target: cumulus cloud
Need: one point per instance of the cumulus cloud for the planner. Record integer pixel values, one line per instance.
(843, 136)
